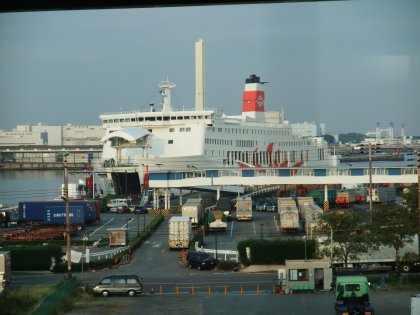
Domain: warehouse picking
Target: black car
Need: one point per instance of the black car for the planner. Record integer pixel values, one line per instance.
(200, 260)
(141, 210)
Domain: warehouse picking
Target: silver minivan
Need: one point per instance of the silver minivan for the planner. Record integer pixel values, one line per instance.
(119, 284)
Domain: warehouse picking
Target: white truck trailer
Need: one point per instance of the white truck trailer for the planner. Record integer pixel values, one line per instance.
(5, 269)
(382, 194)
(288, 214)
(180, 232)
(244, 208)
(193, 208)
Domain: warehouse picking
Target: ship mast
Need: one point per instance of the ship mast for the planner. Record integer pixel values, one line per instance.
(165, 92)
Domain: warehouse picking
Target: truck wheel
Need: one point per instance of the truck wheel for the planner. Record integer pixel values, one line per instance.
(405, 268)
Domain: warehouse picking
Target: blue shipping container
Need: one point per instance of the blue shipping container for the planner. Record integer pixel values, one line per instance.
(54, 212)
(57, 215)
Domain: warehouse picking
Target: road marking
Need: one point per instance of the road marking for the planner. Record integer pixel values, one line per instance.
(101, 227)
(231, 229)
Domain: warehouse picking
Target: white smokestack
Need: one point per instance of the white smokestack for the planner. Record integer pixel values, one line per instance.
(199, 74)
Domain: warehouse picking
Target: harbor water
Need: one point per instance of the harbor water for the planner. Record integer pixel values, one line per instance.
(16, 186)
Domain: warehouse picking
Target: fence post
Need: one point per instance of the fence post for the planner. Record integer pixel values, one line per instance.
(209, 289)
(161, 290)
(242, 289)
(258, 289)
(177, 290)
(193, 290)
(225, 289)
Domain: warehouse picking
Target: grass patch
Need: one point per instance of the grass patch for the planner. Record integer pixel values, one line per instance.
(23, 301)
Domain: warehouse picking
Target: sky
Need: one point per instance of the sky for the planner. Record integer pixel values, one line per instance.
(348, 64)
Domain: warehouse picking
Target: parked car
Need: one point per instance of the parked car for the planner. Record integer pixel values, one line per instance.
(270, 206)
(200, 260)
(101, 242)
(141, 210)
(260, 206)
(123, 209)
(121, 284)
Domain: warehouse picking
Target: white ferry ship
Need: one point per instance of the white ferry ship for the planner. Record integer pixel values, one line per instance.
(168, 139)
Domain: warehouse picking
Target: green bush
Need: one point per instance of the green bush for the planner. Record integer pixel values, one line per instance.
(274, 251)
(228, 265)
(35, 257)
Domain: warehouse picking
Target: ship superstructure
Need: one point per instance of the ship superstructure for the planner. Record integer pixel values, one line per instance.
(168, 139)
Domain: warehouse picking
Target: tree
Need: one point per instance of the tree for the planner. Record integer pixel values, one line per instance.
(349, 236)
(411, 198)
(394, 226)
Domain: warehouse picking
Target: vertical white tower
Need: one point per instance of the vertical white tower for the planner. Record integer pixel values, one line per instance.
(199, 74)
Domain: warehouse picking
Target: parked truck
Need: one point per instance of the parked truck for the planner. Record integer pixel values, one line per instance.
(383, 194)
(352, 296)
(5, 269)
(216, 220)
(193, 208)
(379, 260)
(288, 214)
(345, 198)
(243, 208)
(180, 232)
(53, 212)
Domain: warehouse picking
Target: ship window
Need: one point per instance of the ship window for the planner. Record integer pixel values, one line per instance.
(165, 118)
(170, 141)
(179, 118)
(188, 129)
(115, 120)
(159, 118)
(186, 117)
(182, 129)
(219, 129)
(133, 119)
(171, 129)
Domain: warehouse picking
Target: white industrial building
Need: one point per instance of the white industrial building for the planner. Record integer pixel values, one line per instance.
(308, 129)
(39, 134)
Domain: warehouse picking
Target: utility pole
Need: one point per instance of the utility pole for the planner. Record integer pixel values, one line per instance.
(66, 188)
(418, 190)
(370, 183)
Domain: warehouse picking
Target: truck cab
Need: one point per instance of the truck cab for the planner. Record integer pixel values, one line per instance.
(352, 296)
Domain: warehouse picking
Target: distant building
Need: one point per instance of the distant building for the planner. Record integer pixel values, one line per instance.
(67, 135)
(308, 129)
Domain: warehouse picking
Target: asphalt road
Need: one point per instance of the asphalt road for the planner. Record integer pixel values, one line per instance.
(179, 290)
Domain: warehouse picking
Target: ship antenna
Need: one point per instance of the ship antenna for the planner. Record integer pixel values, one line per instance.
(165, 92)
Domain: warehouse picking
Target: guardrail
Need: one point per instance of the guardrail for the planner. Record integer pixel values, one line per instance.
(216, 253)
(76, 256)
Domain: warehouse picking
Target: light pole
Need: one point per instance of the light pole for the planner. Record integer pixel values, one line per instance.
(138, 224)
(66, 188)
(85, 238)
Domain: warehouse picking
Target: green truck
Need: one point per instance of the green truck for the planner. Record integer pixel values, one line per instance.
(352, 296)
